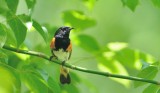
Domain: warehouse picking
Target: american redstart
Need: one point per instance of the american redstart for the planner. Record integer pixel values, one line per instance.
(61, 49)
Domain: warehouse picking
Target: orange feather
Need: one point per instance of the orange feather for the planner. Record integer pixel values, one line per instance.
(69, 49)
(52, 45)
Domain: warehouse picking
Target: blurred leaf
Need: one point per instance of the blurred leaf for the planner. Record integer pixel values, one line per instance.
(3, 8)
(144, 64)
(130, 3)
(30, 3)
(77, 20)
(147, 73)
(51, 30)
(71, 88)
(117, 46)
(12, 5)
(43, 32)
(89, 3)
(3, 5)
(113, 66)
(3, 35)
(50, 82)
(53, 85)
(106, 64)
(90, 86)
(2, 11)
(118, 55)
(87, 42)
(157, 64)
(156, 3)
(152, 89)
(19, 30)
(25, 18)
(145, 57)
(126, 56)
(13, 60)
(12, 39)
(34, 82)
(132, 58)
(120, 52)
(3, 57)
(9, 80)
(75, 77)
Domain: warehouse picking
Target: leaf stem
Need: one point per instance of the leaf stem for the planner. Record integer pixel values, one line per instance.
(41, 55)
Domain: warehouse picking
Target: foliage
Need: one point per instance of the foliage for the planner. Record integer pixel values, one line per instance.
(130, 3)
(25, 74)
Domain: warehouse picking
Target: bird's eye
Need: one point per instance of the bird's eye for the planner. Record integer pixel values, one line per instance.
(65, 29)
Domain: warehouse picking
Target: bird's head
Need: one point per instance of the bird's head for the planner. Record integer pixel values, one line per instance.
(63, 32)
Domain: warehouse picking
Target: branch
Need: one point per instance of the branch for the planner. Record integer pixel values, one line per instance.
(41, 55)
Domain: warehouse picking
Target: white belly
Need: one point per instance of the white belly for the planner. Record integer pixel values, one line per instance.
(61, 55)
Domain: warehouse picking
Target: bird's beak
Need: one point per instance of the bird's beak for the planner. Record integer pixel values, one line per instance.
(71, 28)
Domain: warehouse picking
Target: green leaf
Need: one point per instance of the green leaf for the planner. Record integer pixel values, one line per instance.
(3, 35)
(147, 73)
(133, 58)
(72, 88)
(19, 30)
(25, 18)
(3, 57)
(78, 20)
(39, 28)
(152, 89)
(34, 82)
(2, 11)
(9, 80)
(92, 88)
(43, 32)
(144, 64)
(75, 78)
(87, 42)
(130, 4)
(12, 39)
(53, 85)
(157, 64)
(113, 66)
(12, 5)
(89, 3)
(3, 8)
(126, 57)
(30, 3)
(156, 3)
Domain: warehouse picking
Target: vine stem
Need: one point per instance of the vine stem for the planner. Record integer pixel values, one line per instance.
(41, 55)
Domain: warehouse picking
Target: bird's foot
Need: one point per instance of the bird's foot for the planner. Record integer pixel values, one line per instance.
(63, 62)
(51, 57)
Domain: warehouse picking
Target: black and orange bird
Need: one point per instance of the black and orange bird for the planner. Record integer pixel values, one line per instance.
(61, 49)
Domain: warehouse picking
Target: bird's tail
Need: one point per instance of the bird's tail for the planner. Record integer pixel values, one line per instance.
(64, 75)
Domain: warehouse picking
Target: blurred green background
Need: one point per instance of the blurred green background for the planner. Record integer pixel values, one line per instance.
(103, 22)
(114, 22)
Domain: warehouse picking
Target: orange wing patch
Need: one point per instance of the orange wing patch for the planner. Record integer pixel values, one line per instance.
(69, 49)
(52, 45)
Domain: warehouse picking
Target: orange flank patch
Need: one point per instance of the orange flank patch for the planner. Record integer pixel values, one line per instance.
(52, 45)
(69, 49)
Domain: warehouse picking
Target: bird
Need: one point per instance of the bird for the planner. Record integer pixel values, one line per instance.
(61, 49)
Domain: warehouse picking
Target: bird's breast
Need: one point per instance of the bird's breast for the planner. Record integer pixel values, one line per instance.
(61, 54)
(62, 43)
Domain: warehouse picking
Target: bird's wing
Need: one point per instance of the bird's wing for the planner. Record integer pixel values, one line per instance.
(69, 49)
(52, 44)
